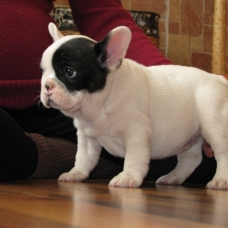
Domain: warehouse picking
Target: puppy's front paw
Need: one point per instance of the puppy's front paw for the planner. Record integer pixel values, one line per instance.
(73, 176)
(218, 184)
(169, 179)
(126, 180)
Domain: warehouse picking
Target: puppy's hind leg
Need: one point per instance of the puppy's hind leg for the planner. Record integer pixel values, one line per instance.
(213, 114)
(215, 132)
(187, 163)
(220, 179)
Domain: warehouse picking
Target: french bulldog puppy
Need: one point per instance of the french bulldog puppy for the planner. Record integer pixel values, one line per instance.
(135, 112)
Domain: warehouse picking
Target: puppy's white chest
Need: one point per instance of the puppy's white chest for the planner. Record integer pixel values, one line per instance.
(104, 134)
(114, 145)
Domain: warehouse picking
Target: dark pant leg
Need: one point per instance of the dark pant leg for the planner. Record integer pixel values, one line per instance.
(18, 153)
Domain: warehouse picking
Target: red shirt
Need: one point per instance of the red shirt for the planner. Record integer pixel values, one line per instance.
(24, 36)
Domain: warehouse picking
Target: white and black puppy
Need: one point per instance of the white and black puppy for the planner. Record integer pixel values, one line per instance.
(133, 111)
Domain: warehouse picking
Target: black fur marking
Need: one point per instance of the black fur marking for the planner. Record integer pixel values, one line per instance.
(84, 57)
(100, 50)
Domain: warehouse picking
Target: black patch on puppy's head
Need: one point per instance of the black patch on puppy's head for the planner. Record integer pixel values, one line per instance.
(80, 65)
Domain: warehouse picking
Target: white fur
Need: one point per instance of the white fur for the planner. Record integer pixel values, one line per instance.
(145, 113)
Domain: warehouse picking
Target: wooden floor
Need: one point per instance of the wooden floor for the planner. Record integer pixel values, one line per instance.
(48, 203)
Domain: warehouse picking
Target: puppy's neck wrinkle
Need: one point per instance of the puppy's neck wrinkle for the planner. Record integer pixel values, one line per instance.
(95, 103)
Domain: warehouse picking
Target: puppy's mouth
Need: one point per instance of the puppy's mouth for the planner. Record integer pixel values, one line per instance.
(50, 103)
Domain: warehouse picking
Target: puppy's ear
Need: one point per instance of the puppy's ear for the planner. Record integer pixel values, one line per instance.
(112, 49)
(54, 32)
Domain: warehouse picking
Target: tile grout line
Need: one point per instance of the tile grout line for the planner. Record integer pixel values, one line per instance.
(167, 29)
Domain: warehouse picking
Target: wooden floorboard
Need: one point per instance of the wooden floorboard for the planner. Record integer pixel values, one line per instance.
(49, 203)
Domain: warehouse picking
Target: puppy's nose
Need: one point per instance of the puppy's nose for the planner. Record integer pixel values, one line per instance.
(49, 86)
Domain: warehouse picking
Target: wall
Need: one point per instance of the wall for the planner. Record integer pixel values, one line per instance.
(185, 29)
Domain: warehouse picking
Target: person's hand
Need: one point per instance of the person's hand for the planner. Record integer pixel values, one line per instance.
(207, 150)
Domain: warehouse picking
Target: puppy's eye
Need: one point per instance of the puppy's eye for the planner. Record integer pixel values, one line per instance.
(70, 73)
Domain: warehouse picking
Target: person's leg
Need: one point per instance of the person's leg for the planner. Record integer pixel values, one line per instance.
(54, 140)
(18, 152)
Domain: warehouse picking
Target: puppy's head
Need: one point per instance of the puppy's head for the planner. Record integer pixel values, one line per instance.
(76, 65)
